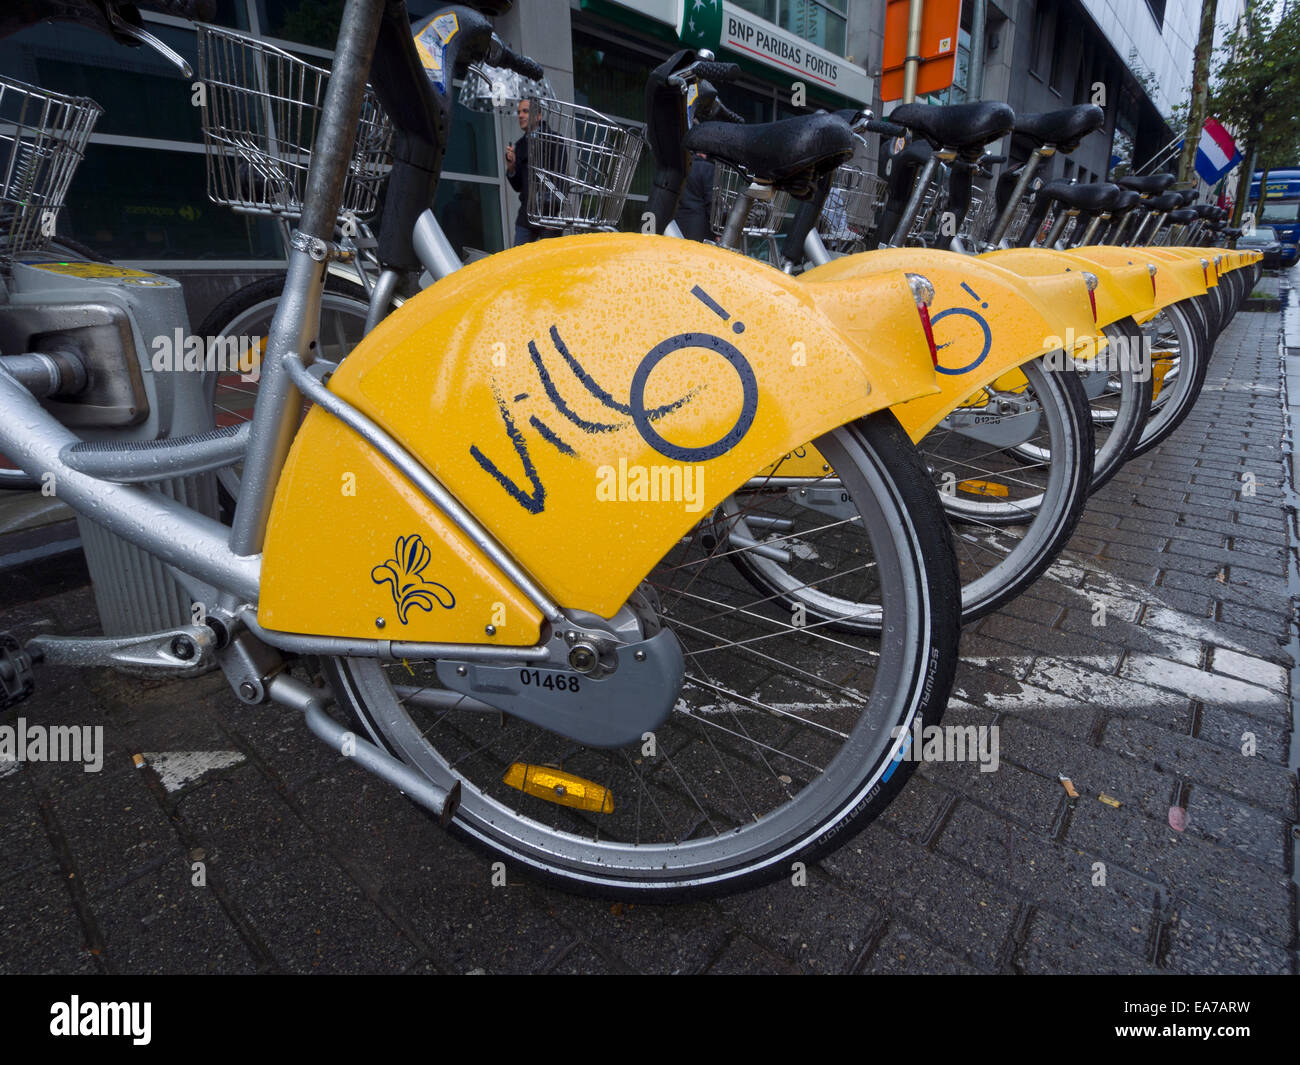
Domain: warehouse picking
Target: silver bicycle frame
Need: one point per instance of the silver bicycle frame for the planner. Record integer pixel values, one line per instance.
(230, 559)
(1032, 165)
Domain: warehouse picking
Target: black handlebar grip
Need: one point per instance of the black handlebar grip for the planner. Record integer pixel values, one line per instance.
(711, 71)
(198, 10)
(521, 64)
(885, 129)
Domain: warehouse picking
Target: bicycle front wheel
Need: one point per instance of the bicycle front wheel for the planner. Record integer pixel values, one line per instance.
(785, 738)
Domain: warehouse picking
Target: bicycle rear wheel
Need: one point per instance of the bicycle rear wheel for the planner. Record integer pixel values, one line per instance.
(1119, 395)
(782, 743)
(1013, 508)
(1180, 358)
(247, 312)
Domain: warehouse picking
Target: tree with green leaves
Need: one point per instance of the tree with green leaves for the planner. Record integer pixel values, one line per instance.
(1256, 90)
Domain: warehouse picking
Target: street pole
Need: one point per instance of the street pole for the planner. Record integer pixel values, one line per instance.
(978, 31)
(1200, 91)
(912, 61)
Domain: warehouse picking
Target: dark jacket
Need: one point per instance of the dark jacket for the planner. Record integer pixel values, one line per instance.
(696, 200)
(519, 180)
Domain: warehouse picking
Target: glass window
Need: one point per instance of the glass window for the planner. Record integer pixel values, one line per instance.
(470, 214)
(142, 94)
(232, 13)
(753, 106)
(611, 78)
(1056, 67)
(314, 22)
(815, 21)
(1082, 83)
(140, 203)
(1280, 212)
(1038, 44)
(472, 147)
(765, 9)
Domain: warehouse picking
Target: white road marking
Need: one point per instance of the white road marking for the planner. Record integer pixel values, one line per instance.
(1168, 678)
(179, 768)
(1196, 683)
(1246, 667)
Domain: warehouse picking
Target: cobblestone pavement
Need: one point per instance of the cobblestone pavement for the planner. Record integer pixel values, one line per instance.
(313, 865)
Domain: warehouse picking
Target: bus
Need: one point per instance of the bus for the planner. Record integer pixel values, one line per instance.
(1280, 209)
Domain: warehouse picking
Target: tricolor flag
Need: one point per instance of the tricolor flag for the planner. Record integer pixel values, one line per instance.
(1217, 153)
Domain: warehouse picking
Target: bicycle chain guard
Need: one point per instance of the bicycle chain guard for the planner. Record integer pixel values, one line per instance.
(612, 709)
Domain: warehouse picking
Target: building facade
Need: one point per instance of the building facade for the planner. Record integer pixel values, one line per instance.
(141, 195)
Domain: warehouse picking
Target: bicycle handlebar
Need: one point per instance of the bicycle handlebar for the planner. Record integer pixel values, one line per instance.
(709, 70)
(885, 129)
(500, 55)
(722, 113)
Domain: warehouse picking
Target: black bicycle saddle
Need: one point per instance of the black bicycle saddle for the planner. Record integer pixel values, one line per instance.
(966, 127)
(1095, 197)
(1148, 186)
(790, 154)
(1064, 128)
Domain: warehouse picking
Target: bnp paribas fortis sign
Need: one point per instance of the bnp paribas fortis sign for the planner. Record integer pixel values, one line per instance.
(724, 27)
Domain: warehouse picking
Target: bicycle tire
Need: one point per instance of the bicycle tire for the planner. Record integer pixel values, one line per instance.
(1120, 411)
(1053, 497)
(913, 669)
(1191, 362)
(252, 306)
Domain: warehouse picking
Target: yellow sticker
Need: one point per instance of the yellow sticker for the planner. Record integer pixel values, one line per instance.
(103, 271)
(428, 60)
(446, 26)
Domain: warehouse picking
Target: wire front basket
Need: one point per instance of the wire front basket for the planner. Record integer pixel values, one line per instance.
(765, 216)
(850, 208)
(43, 137)
(580, 166)
(980, 215)
(927, 218)
(260, 117)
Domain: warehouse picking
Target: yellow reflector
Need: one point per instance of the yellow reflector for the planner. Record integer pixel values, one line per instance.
(982, 488)
(1159, 367)
(557, 786)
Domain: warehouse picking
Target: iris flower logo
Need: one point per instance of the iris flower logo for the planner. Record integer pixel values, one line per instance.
(403, 572)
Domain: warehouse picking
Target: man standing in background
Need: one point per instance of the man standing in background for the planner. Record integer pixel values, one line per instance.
(517, 175)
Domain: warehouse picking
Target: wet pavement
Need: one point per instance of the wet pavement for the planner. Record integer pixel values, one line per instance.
(1151, 668)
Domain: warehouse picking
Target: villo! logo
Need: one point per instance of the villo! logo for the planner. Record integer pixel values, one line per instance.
(102, 1018)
